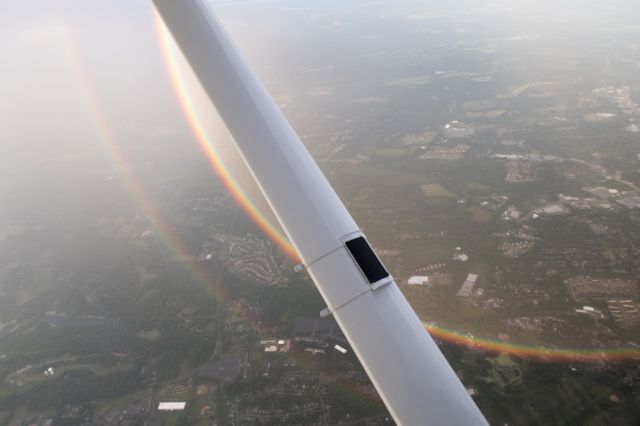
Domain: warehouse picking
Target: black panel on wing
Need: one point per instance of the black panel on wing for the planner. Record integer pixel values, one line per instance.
(366, 259)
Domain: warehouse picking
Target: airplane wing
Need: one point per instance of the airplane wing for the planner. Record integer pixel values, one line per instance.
(410, 373)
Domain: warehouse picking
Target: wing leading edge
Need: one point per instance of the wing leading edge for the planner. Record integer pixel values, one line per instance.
(410, 373)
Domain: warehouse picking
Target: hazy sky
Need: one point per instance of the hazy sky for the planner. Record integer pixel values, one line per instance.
(44, 42)
(46, 45)
(67, 62)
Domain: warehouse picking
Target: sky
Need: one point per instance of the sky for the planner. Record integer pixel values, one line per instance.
(49, 45)
(116, 41)
(43, 43)
(70, 70)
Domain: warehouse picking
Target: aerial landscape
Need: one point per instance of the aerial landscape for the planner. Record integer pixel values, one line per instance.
(489, 149)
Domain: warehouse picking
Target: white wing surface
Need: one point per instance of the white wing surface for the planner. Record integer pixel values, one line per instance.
(410, 373)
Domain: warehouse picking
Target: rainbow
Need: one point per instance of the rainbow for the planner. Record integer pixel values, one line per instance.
(540, 353)
(169, 53)
(167, 234)
(449, 335)
(134, 186)
(136, 190)
(195, 122)
(112, 148)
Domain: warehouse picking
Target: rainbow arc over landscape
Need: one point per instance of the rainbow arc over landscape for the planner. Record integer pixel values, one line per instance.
(178, 245)
(196, 123)
(134, 185)
(171, 57)
(109, 143)
(534, 352)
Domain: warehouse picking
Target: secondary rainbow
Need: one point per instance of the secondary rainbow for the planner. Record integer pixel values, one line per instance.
(135, 187)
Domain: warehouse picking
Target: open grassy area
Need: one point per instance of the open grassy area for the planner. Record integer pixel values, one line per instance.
(38, 376)
(504, 371)
(436, 190)
(479, 215)
(552, 394)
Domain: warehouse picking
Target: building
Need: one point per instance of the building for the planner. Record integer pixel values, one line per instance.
(340, 349)
(418, 280)
(276, 345)
(172, 406)
(467, 285)
(625, 312)
(316, 328)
